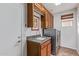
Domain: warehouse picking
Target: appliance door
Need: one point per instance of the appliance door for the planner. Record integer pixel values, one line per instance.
(57, 39)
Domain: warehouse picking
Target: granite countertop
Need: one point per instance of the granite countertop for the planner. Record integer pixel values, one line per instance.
(35, 39)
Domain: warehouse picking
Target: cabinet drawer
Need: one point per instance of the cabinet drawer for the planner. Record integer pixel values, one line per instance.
(45, 43)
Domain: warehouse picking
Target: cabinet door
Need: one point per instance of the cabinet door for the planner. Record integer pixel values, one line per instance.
(47, 20)
(44, 51)
(35, 51)
(32, 49)
(51, 21)
(49, 49)
(29, 12)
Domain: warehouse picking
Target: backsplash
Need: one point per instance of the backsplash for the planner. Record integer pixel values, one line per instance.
(29, 32)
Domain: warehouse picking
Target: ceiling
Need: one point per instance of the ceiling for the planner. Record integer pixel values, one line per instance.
(59, 8)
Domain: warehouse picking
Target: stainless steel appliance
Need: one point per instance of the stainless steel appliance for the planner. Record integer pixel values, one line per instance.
(55, 41)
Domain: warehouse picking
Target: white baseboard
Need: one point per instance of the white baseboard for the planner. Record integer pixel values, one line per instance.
(68, 47)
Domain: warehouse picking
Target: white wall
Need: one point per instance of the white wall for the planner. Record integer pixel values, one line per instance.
(78, 29)
(67, 40)
(57, 21)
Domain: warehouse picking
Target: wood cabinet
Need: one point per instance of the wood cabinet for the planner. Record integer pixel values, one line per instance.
(46, 18)
(39, 7)
(51, 21)
(32, 48)
(44, 51)
(37, 49)
(29, 19)
(46, 48)
(31, 8)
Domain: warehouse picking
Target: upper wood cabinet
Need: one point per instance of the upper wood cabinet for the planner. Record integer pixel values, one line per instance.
(31, 7)
(46, 18)
(50, 17)
(29, 10)
(40, 7)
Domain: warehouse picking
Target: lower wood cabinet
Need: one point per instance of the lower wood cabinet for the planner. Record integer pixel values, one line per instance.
(37, 49)
(44, 51)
